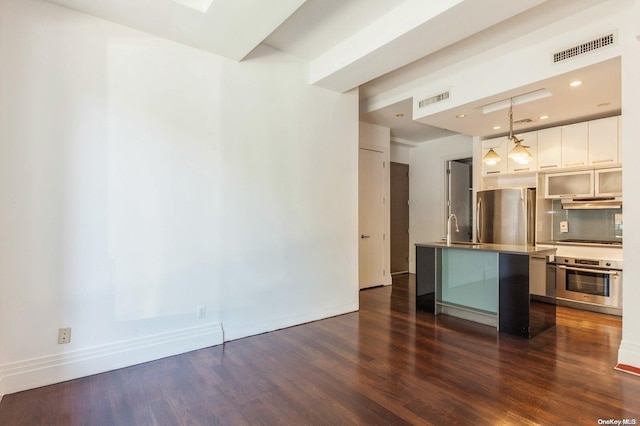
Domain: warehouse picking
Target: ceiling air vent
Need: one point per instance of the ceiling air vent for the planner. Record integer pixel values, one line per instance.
(586, 47)
(523, 121)
(434, 99)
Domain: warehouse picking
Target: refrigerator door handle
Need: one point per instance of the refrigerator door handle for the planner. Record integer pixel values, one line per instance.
(478, 207)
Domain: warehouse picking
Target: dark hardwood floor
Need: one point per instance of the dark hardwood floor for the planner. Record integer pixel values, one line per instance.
(385, 364)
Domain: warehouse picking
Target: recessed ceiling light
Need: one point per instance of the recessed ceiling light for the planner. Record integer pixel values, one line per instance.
(604, 104)
(496, 127)
(461, 115)
(544, 117)
(399, 114)
(575, 83)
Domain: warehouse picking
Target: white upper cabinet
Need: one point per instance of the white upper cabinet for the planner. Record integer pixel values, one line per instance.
(499, 145)
(569, 185)
(619, 137)
(549, 149)
(593, 144)
(529, 140)
(575, 145)
(603, 141)
(608, 182)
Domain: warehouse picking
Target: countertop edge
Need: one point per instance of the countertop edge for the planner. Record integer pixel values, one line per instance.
(498, 248)
(561, 243)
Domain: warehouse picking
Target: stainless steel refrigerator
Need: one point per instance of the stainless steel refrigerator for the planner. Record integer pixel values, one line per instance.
(506, 216)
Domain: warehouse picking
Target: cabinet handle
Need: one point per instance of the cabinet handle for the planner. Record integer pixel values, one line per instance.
(492, 173)
(574, 164)
(568, 195)
(569, 268)
(553, 166)
(521, 170)
(603, 161)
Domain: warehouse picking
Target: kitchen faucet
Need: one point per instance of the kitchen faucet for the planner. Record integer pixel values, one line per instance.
(451, 216)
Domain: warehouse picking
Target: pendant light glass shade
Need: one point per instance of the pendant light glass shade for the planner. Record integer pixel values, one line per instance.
(519, 154)
(491, 158)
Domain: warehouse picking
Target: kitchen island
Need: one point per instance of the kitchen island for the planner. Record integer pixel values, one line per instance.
(486, 283)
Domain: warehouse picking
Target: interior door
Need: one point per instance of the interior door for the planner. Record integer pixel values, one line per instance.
(371, 218)
(459, 199)
(399, 211)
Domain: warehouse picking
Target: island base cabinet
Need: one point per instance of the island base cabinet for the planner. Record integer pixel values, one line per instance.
(463, 284)
(519, 314)
(426, 277)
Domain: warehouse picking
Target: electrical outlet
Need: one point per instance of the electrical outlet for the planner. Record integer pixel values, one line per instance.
(201, 311)
(564, 226)
(64, 335)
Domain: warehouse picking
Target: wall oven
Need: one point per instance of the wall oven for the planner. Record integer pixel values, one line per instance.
(594, 282)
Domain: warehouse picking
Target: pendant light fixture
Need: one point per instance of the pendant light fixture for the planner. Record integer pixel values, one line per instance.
(518, 154)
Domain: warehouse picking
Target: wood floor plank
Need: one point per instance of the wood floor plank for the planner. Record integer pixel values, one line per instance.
(386, 364)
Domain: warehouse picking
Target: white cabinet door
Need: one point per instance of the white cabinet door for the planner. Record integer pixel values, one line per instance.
(538, 275)
(575, 145)
(499, 145)
(620, 139)
(530, 140)
(549, 149)
(603, 141)
(608, 182)
(569, 185)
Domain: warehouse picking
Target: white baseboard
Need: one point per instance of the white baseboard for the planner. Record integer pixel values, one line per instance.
(37, 372)
(629, 354)
(291, 321)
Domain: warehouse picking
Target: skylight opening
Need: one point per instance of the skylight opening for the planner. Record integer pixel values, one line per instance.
(199, 5)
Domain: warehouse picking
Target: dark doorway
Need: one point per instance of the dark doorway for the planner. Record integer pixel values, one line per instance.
(399, 218)
(459, 197)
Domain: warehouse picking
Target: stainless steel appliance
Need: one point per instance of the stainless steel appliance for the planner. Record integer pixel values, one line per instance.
(506, 216)
(594, 284)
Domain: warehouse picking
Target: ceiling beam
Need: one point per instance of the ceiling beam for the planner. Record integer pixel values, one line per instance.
(228, 28)
(412, 30)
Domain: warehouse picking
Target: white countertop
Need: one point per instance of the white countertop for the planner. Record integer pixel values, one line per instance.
(501, 248)
(587, 252)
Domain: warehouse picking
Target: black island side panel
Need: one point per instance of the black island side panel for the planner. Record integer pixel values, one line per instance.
(514, 294)
(425, 279)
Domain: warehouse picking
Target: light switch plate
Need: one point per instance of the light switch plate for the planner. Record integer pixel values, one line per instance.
(618, 218)
(564, 226)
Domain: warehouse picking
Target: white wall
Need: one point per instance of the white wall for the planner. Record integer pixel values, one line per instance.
(140, 179)
(629, 352)
(400, 153)
(379, 138)
(427, 188)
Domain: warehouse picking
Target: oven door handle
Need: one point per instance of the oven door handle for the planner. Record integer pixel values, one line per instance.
(593, 271)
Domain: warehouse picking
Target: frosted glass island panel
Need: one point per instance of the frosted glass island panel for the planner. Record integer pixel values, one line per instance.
(470, 279)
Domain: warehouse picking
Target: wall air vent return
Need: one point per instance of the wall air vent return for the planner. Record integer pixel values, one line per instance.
(586, 47)
(434, 99)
